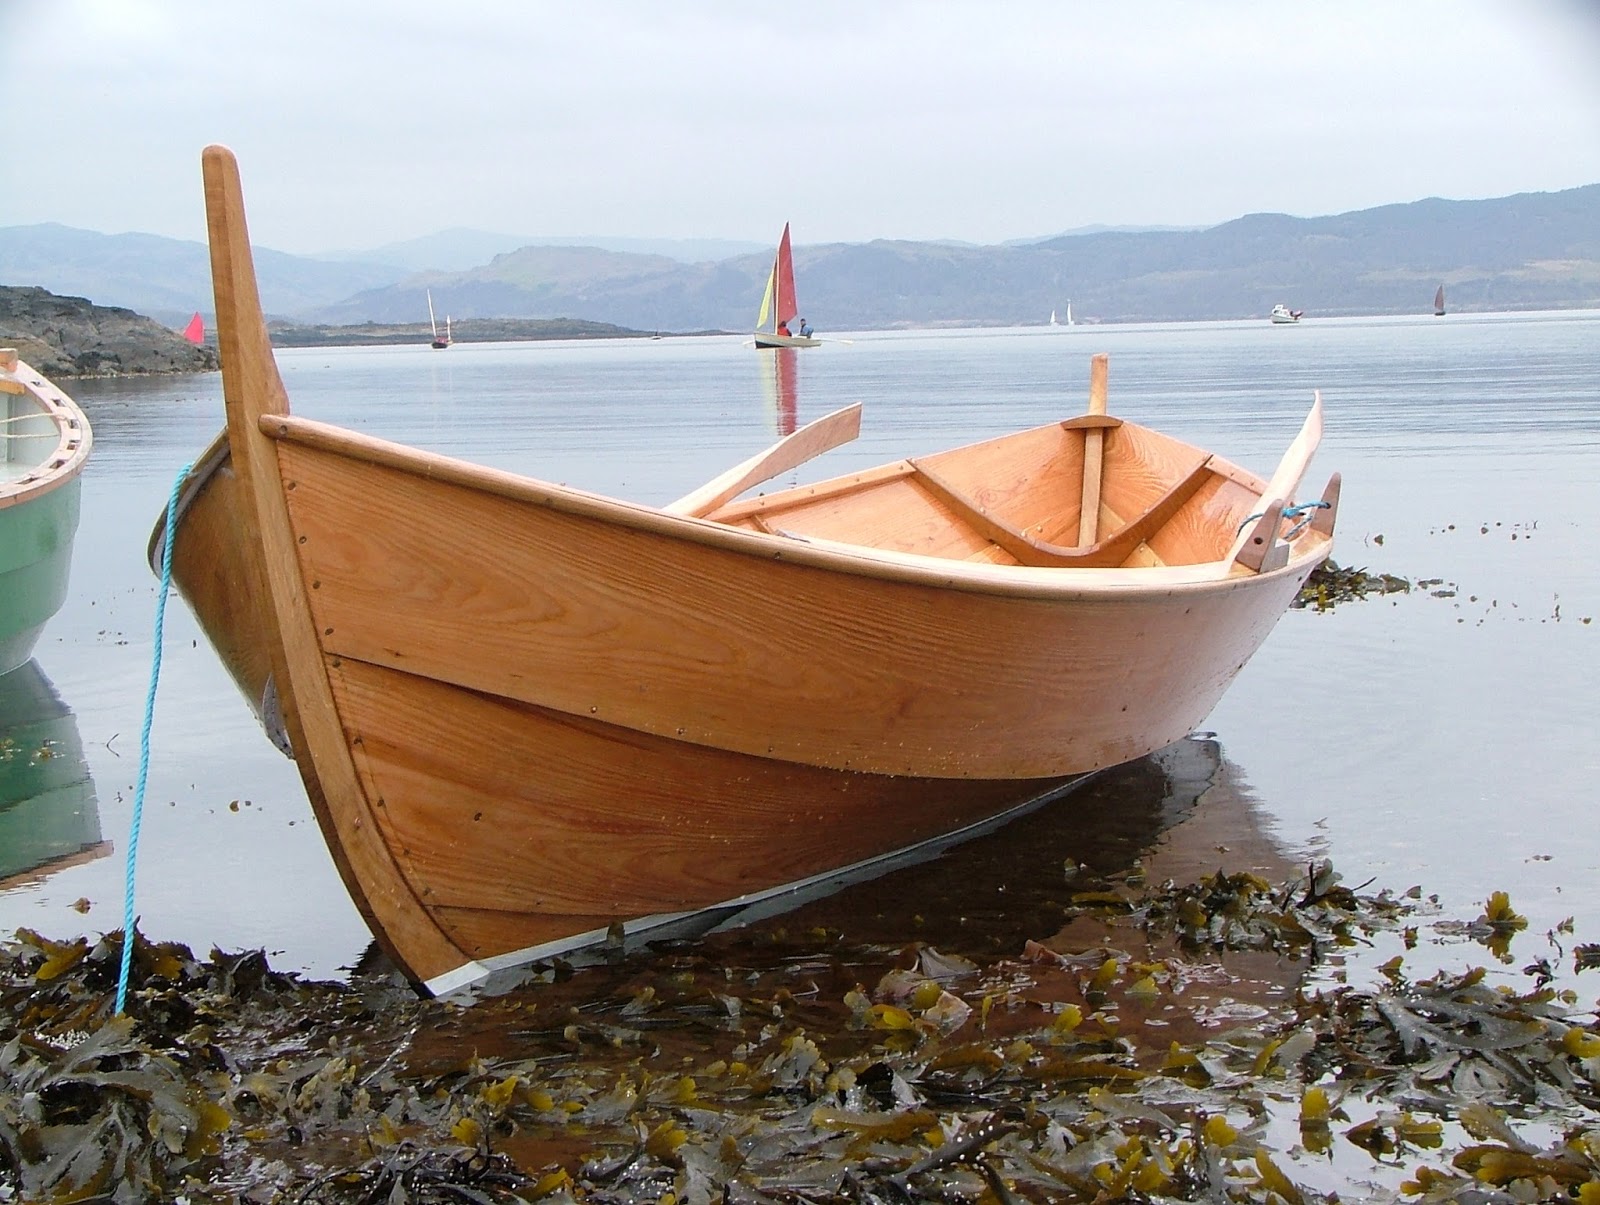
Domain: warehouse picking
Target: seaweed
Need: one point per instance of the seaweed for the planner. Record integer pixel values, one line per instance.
(1193, 1042)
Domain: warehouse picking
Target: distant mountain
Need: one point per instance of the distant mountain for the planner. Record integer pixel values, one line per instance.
(458, 249)
(168, 279)
(1097, 228)
(1526, 251)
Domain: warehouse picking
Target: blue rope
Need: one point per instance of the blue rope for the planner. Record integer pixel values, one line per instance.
(1289, 512)
(170, 538)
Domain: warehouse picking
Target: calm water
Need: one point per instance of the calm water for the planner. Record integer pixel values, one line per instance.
(1444, 741)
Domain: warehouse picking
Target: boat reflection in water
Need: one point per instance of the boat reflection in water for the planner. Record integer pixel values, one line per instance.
(780, 386)
(49, 817)
(1179, 813)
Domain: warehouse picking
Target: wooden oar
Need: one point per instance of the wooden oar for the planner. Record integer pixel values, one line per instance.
(791, 451)
(1286, 479)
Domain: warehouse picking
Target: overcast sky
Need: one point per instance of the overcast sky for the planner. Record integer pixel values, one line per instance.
(358, 122)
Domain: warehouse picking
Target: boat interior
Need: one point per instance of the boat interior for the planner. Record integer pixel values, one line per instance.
(38, 434)
(1021, 500)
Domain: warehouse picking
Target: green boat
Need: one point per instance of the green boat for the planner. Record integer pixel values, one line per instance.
(49, 816)
(44, 443)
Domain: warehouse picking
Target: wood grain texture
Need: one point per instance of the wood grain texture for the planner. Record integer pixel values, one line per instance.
(522, 712)
(252, 390)
(1093, 451)
(751, 653)
(793, 450)
(38, 466)
(216, 572)
(498, 807)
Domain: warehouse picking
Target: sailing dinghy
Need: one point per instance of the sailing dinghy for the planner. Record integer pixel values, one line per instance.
(530, 718)
(778, 303)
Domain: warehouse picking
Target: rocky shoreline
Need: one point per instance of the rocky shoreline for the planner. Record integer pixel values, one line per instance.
(65, 336)
(73, 337)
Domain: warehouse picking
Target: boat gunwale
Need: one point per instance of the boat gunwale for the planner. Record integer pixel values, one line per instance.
(74, 438)
(1022, 581)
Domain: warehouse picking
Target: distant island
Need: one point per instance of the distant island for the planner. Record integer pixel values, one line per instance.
(74, 337)
(473, 330)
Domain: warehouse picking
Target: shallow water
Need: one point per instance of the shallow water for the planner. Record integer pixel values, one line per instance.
(1443, 741)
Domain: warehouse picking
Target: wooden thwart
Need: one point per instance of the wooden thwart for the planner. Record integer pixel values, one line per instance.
(1028, 550)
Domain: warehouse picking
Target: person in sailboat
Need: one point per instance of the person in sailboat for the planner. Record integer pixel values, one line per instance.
(805, 328)
(783, 328)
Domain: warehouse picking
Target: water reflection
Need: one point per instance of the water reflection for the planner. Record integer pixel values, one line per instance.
(780, 387)
(49, 818)
(1004, 901)
(1179, 813)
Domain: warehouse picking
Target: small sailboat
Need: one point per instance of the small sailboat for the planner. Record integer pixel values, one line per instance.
(1438, 303)
(195, 332)
(1070, 322)
(1282, 314)
(1053, 321)
(438, 340)
(778, 303)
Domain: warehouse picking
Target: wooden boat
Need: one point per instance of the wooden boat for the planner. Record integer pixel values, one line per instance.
(1438, 303)
(440, 342)
(528, 716)
(778, 303)
(1282, 314)
(44, 444)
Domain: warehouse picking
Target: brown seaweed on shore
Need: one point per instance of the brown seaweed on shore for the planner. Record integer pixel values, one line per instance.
(1171, 1043)
(1331, 584)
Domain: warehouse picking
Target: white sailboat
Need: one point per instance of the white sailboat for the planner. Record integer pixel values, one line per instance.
(438, 342)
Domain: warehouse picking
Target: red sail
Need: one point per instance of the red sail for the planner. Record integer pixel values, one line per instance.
(195, 332)
(786, 304)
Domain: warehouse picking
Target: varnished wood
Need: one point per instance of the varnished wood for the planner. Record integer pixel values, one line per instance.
(524, 713)
(253, 390)
(833, 488)
(809, 442)
(1113, 550)
(1284, 481)
(683, 639)
(1325, 518)
(59, 463)
(1093, 445)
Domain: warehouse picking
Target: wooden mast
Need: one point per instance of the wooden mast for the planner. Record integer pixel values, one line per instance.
(1093, 452)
